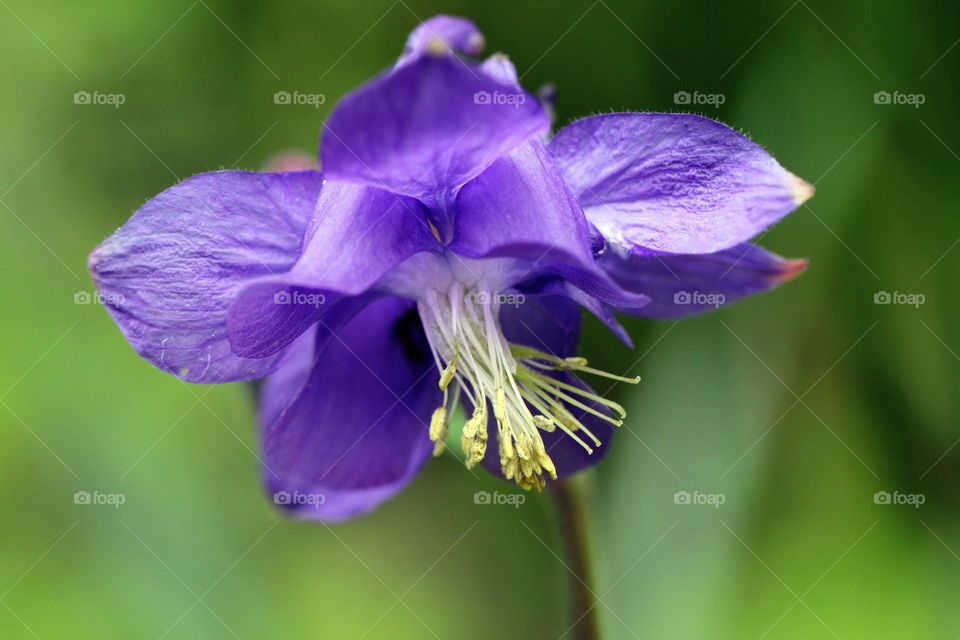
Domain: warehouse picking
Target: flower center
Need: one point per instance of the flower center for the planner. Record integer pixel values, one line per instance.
(520, 385)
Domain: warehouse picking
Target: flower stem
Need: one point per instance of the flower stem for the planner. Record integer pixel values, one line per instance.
(570, 513)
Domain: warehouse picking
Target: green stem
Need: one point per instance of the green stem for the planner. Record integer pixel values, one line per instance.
(583, 611)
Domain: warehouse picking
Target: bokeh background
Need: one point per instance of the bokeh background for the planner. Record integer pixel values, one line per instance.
(797, 406)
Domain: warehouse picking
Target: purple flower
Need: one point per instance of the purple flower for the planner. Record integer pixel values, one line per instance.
(444, 241)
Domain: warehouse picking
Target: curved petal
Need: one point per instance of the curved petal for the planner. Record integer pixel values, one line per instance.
(673, 183)
(499, 67)
(603, 312)
(174, 268)
(450, 32)
(552, 324)
(520, 208)
(280, 388)
(683, 285)
(357, 235)
(426, 128)
(354, 429)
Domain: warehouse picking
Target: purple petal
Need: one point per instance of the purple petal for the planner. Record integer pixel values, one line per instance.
(603, 312)
(499, 67)
(683, 285)
(674, 183)
(520, 208)
(520, 203)
(174, 268)
(357, 235)
(426, 128)
(444, 32)
(281, 387)
(354, 429)
(552, 324)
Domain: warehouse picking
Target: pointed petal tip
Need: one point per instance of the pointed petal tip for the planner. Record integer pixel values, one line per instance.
(476, 44)
(789, 270)
(92, 261)
(800, 189)
(95, 263)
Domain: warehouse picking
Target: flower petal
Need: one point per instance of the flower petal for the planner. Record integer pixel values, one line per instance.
(520, 208)
(603, 312)
(552, 324)
(173, 269)
(454, 33)
(683, 285)
(426, 128)
(357, 235)
(354, 429)
(499, 67)
(674, 183)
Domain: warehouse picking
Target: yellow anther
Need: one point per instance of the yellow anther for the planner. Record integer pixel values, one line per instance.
(448, 374)
(500, 405)
(470, 428)
(547, 464)
(474, 437)
(544, 423)
(438, 424)
(523, 452)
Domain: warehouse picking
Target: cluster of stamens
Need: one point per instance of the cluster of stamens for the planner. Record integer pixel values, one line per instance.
(520, 384)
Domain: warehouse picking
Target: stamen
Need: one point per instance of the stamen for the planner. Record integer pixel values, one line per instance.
(577, 364)
(438, 430)
(474, 438)
(438, 424)
(469, 348)
(448, 373)
(579, 391)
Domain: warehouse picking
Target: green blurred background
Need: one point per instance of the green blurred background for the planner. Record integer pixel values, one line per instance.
(796, 406)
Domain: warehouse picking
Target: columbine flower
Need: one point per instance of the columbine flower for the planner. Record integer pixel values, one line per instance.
(440, 259)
